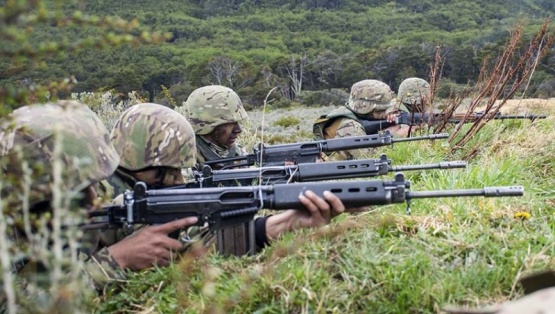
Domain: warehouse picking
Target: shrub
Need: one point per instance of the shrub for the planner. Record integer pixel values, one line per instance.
(332, 97)
(447, 89)
(287, 121)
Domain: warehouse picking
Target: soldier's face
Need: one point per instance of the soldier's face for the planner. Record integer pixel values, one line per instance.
(225, 135)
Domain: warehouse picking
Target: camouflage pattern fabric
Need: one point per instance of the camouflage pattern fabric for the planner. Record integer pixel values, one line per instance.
(104, 191)
(413, 95)
(341, 122)
(115, 185)
(102, 269)
(349, 127)
(147, 135)
(108, 190)
(31, 134)
(321, 129)
(213, 105)
(207, 150)
(188, 175)
(542, 301)
(369, 96)
(151, 135)
(37, 136)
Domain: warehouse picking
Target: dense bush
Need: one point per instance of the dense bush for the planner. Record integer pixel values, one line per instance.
(332, 97)
(254, 46)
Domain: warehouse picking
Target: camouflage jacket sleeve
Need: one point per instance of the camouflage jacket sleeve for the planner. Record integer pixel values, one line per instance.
(350, 127)
(188, 175)
(100, 266)
(102, 269)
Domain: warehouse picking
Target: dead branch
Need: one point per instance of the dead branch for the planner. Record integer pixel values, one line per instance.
(509, 71)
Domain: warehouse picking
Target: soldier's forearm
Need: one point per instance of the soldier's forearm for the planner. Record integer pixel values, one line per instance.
(278, 224)
(102, 269)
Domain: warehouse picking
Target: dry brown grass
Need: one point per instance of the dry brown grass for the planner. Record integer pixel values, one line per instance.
(522, 106)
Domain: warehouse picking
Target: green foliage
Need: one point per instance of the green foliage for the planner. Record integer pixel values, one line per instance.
(287, 121)
(246, 45)
(333, 97)
(448, 89)
(39, 36)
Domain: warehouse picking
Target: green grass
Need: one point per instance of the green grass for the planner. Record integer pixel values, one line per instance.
(463, 251)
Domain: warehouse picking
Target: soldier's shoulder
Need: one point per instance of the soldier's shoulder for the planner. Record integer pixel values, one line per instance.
(349, 122)
(349, 127)
(341, 112)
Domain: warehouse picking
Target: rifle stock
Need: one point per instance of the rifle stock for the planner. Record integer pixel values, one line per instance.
(309, 172)
(219, 208)
(308, 152)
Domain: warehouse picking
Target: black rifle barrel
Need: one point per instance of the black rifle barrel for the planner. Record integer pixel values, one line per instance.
(440, 165)
(499, 191)
(374, 140)
(516, 116)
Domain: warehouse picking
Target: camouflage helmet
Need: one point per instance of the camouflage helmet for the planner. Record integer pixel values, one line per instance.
(413, 91)
(369, 96)
(34, 138)
(151, 135)
(210, 106)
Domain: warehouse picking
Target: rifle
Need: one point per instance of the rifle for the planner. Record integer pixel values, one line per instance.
(409, 118)
(308, 152)
(219, 208)
(308, 172)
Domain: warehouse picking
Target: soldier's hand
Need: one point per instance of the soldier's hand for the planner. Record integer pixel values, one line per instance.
(402, 130)
(316, 205)
(319, 212)
(149, 246)
(390, 117)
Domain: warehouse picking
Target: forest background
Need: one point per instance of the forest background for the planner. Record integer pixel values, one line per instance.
(310, 49)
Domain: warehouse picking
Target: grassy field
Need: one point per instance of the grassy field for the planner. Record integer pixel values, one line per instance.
(463, 251)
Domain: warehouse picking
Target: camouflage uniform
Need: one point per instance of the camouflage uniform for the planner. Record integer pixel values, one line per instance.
(413, 95)
(147, 135)
(34, 138)
(368, 98)
(206, 108)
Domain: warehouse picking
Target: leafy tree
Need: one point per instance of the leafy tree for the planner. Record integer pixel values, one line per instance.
(344, 41)
(26, 51)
